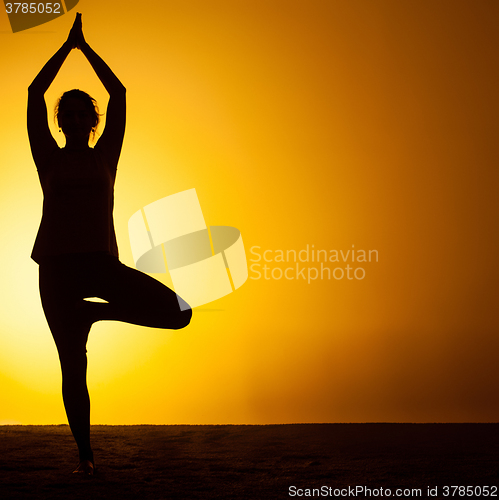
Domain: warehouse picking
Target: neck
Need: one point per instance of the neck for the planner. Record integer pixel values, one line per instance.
(76, 144)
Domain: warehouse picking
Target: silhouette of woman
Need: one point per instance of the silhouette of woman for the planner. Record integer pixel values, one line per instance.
(76, 245)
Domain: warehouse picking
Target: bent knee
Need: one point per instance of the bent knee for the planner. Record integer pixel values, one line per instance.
(183, 319)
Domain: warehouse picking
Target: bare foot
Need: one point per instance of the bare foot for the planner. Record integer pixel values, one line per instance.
(85, 467)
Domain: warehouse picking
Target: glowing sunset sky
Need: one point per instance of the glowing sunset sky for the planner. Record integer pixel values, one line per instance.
(365, 125)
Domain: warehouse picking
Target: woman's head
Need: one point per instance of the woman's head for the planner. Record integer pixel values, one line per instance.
(77, 113)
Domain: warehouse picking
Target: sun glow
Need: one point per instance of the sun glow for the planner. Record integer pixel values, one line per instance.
(337, 125)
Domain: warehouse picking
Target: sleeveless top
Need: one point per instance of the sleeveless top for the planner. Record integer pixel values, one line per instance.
(78, 201)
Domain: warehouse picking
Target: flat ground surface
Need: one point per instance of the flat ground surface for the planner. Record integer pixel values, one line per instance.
(251, 462)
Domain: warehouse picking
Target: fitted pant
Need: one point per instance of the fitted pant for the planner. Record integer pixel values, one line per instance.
(132, 296)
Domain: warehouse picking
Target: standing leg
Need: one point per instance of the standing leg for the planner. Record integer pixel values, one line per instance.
(132, 296)
(70, 329)
(73, 360)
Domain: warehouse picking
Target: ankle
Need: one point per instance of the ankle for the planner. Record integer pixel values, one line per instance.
(87, 456)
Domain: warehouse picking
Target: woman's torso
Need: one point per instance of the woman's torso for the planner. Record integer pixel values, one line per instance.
(78, 190)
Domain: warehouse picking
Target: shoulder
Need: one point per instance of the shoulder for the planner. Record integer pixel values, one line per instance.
(104, 159)
(41, 141)
(51, 158)
(111, 140)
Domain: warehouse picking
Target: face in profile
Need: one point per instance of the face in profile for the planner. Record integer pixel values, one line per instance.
(75, 119)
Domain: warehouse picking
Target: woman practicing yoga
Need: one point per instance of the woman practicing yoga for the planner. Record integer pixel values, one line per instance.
(76, 245)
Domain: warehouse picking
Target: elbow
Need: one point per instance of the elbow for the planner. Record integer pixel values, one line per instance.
(118, 90)
(36, 90)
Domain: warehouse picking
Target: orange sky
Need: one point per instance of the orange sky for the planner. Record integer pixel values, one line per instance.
(325, 123)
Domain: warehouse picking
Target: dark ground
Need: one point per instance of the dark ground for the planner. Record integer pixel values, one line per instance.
(249, 462)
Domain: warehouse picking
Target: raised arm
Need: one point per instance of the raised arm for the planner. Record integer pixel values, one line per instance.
(111, 139)
(41, 141)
